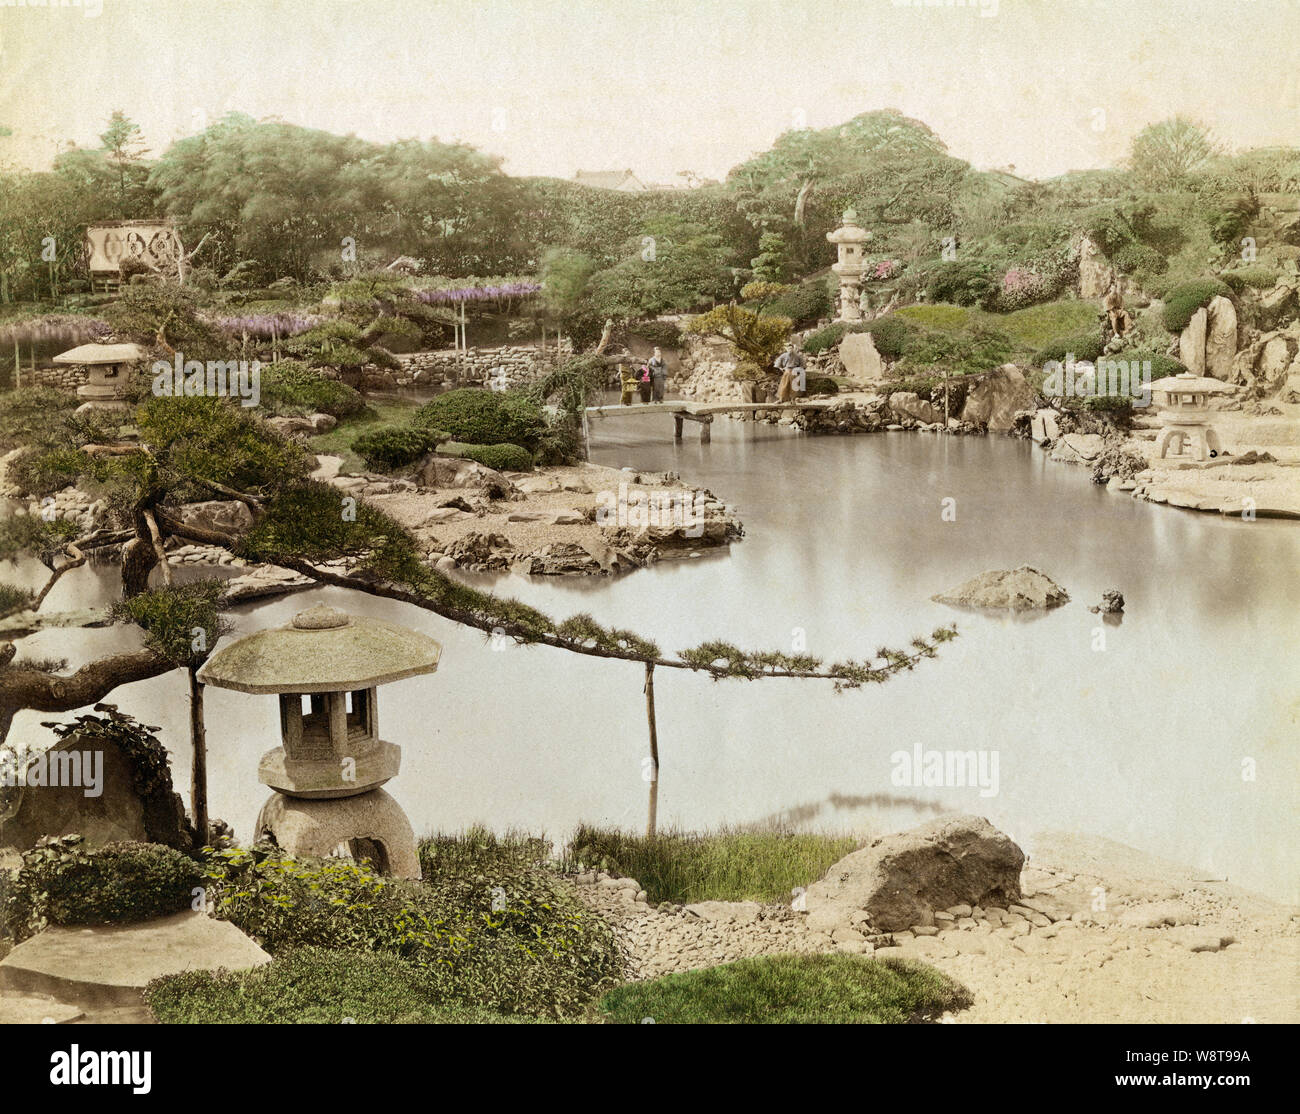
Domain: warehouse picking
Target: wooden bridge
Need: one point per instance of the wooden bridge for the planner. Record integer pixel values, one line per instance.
(702, 412)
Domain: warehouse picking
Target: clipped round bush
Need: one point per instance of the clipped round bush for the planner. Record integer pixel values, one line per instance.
(963, 283)
(1134, 258)
(1082, 346)
(393, 447)
(1182, 302)
(291, 387)
(790, 989)
(504, 458)
(1250, 278)
(890, 336)
(821, 385)
(113, 884)
(663, 333)
(830, 336)
(481, 417)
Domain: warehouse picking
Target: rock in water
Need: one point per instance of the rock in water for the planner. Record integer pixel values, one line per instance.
(1021, 589)
(902, 879)
(1112, 602)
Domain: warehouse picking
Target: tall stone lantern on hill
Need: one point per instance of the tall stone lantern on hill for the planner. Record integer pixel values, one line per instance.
(849, 238)
(325, 667)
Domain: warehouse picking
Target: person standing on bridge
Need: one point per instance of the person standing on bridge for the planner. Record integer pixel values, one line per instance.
(627, 383)
(658, 375)
(644, 383)
(792, 373)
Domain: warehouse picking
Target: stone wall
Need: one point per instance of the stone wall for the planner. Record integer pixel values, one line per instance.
(478, 367)
(61, 377)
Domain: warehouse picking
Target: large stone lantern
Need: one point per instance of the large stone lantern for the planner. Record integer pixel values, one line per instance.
(325, 666)
(849, 238)
(109, 369)
(1186, 416)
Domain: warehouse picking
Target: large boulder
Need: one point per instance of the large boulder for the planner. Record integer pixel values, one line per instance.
(1191, 343)
(1079, 448)
(902, 879)
(1220, 338)
(908, 404)
(1096, 276)
(1276, 306)
(1021, 589)
(996, 399)
(222, 515)
(92, 786)
(861, 361)
(453, 471)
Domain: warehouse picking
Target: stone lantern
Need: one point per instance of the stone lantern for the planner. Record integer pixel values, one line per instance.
(325, 666)
(1185, 417)
(109, 369)
(849, 238)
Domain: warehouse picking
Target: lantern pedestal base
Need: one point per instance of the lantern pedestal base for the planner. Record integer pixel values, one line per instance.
(373, 823)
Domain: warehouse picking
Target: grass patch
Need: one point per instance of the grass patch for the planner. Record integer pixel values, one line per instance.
(731, 865)
(790, 990)
(313, 986)
(338, 441)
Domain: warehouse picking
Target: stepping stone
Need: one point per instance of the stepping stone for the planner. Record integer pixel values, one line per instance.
(105, 966)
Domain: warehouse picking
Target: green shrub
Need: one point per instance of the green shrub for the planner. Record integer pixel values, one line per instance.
(504, 458)
(977, 349)
(482, 417)
(963, 283)
(63, 884)
(890, 335)
(665, 334)
(731, 865)
(1182, 302)
(1083, 346)
(394, 447)
(808, 301)
(1250, 278)
(821, 385)
(830, 336)
(312, 986)
(539, 951)
(1134, 258)
(291, 387)
(27, 414)
(791, 990)
(42, 472)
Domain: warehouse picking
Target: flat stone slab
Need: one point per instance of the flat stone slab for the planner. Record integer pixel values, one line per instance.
(104, 966)
(36, 1009)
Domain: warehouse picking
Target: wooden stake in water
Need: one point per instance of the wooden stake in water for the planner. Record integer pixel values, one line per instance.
(652, 816)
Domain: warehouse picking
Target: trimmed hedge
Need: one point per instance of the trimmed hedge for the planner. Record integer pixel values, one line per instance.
(291, 387)
(504, 458)
(791, 990)
(61, 884)
(394, 447)
(313, 986)
(1182, 302)
(482, 417)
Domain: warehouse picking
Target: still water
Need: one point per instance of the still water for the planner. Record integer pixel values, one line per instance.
(1173, 731)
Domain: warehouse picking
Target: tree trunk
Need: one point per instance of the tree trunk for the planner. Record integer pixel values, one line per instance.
(138, 560)
(199, 766)
(653, 813)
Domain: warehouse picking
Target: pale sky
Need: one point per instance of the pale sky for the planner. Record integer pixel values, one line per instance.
(659, 86)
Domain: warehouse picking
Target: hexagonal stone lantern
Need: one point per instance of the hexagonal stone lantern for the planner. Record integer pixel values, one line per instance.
(325, 666)
(849, 240)
(108, 370)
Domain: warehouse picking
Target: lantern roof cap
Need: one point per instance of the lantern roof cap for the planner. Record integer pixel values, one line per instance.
(1190, 384)
(322, 650)
(102, 354)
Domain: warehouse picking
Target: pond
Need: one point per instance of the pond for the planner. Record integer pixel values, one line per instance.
(1172, 731)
